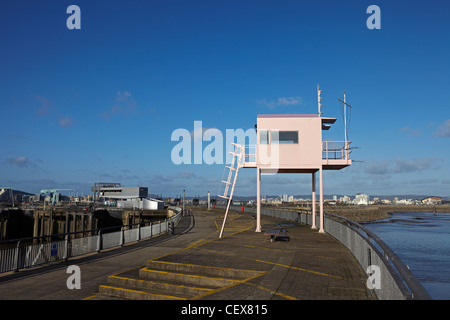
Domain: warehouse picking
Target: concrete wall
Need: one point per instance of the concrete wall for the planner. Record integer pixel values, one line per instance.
(15, 223)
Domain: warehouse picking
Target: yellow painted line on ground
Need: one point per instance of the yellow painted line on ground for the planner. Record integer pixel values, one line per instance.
(186, 248)
(271, 249)
(301, 269)
(229, 286)
(330, 258)
(200, 243)
(147, 293)
(115, 274)
(272, 291)
(163, 283)
(280, 265)
(188, 275)
(90, 297)
(211, 267)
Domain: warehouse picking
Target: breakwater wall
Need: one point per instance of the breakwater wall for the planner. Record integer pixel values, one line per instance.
(22, 254)
(17, 223)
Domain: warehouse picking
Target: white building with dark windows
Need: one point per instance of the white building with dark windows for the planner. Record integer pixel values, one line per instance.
(123, 193)
(126, 197)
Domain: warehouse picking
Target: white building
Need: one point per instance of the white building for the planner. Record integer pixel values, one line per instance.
(345, 199)
(361, 199)
(145, 204)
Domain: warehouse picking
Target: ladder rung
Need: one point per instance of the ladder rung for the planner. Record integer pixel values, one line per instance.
(231, 168)
(223, 196)
(226, 182)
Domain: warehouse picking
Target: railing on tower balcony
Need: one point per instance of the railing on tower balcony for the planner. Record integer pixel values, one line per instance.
(336, 150)
(249, 153)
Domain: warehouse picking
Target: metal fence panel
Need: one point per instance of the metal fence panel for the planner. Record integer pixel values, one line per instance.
(131, 235)
(37, 254)
(146, 232)
(112, 239)
(155, 229)
(84, 245)
(163, 226)
(26, 256)
(7, 259)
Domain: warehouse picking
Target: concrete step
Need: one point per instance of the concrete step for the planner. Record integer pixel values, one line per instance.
(159, 287)
(133, 293)
(162, 280)
(207, 271)
(187, 279)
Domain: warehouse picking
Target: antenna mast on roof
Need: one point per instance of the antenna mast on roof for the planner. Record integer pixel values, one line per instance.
(345, 104)
(319, 100)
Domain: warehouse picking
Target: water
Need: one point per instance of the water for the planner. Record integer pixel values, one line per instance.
(422, 241)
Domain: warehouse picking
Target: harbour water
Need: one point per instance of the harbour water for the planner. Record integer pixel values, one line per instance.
(422, 241)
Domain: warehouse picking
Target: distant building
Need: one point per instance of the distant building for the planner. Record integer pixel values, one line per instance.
(145, 204)
(123, 193)
(432, 200)
(345, 199)
(405, 201)
(361, 199)
(37, 197)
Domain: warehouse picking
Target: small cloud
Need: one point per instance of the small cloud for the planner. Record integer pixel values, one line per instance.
(414, 165)
(186, 175)
(443, 130)
(378, 167)
(282, 101)
(65, 122)
(45, 107)
(400, 165)
(124, 105)
(411, 131)
(21, 162)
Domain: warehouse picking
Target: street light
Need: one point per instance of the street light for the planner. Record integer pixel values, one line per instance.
(183, 199)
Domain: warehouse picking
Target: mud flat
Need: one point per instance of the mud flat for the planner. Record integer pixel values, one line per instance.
(379, 212)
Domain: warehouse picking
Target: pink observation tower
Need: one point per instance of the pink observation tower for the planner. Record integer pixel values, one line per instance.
(289, 143)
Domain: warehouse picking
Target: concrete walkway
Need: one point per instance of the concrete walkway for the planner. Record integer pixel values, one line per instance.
(308, 266)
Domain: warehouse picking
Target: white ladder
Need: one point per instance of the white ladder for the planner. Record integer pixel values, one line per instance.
(238, 153)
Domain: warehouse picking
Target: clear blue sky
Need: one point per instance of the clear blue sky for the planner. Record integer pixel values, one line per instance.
(99, 104)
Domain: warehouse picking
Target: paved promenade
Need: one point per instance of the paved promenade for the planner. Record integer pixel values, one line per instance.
(309, 265)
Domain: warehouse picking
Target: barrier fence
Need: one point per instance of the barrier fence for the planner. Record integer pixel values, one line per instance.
(25, 255)
(396, 281)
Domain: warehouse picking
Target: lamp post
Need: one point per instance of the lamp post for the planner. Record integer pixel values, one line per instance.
(183, 199)
(209, 200)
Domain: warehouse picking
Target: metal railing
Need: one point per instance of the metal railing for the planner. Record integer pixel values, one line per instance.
(249, 152)
(25, 255)
(397, 280)
(336, 150)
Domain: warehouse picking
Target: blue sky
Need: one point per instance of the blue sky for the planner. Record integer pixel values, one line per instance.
(100, 104)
